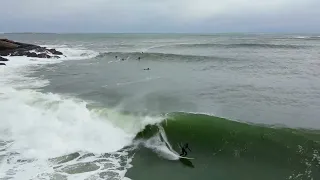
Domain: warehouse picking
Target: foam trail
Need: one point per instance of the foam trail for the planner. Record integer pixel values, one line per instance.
(135, 82)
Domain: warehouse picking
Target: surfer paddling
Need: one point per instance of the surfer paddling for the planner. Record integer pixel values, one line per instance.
(183, 149)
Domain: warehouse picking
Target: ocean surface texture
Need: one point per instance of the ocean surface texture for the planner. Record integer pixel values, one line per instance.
(117, 106)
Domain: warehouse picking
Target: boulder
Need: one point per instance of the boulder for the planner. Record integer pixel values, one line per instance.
(5, 53)
(3, 59)
(7, 40)
(4, 45)
(12, 48)
(43, 55)
(40, 49)
(53, 51)
(31, 54)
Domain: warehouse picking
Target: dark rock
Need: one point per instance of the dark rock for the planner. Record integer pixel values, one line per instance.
(3, 59)
(4, 64)
(16, 53)
(7, 40)
(53, 51)
(40, 49)
(5, 53)
(7, 45)
(31, 54)
(12, 48)
(44, 55)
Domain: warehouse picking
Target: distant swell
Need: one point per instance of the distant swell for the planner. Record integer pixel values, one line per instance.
(242, 45)
(307, 37)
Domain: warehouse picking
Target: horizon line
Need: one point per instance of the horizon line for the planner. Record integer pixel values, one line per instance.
(159, 32)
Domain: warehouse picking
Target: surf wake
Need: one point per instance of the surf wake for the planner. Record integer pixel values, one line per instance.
(160, 144)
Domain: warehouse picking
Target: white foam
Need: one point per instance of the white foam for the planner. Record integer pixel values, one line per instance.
(47, 125)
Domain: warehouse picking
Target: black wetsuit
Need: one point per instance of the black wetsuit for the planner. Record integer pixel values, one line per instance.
(183, 149)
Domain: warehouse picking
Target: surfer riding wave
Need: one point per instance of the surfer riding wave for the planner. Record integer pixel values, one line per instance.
(183, 150)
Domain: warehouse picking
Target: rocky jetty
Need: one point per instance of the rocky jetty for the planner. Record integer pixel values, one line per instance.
(12, 48)
(3, 59)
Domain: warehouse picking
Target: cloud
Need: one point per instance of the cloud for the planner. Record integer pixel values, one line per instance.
(158, 15)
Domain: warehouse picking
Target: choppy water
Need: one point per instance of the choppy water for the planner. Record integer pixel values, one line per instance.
(98, 114)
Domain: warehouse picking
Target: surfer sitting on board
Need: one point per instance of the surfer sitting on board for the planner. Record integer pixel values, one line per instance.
(183, 149)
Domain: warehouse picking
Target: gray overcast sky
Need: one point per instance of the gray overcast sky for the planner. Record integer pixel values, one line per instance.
(160, 16)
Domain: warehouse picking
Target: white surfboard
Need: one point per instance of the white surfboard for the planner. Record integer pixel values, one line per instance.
(185, 157)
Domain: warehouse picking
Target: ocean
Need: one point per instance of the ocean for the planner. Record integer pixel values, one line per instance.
(117, 106)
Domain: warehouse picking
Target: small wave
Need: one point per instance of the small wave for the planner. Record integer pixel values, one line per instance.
(159, 57)
(301, 37)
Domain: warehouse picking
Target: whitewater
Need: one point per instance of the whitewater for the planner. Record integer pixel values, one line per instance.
(51, 136)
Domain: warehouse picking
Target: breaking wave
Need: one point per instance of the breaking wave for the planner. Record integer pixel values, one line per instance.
(50, 136)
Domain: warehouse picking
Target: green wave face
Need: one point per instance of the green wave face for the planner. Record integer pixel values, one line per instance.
(217, 143)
